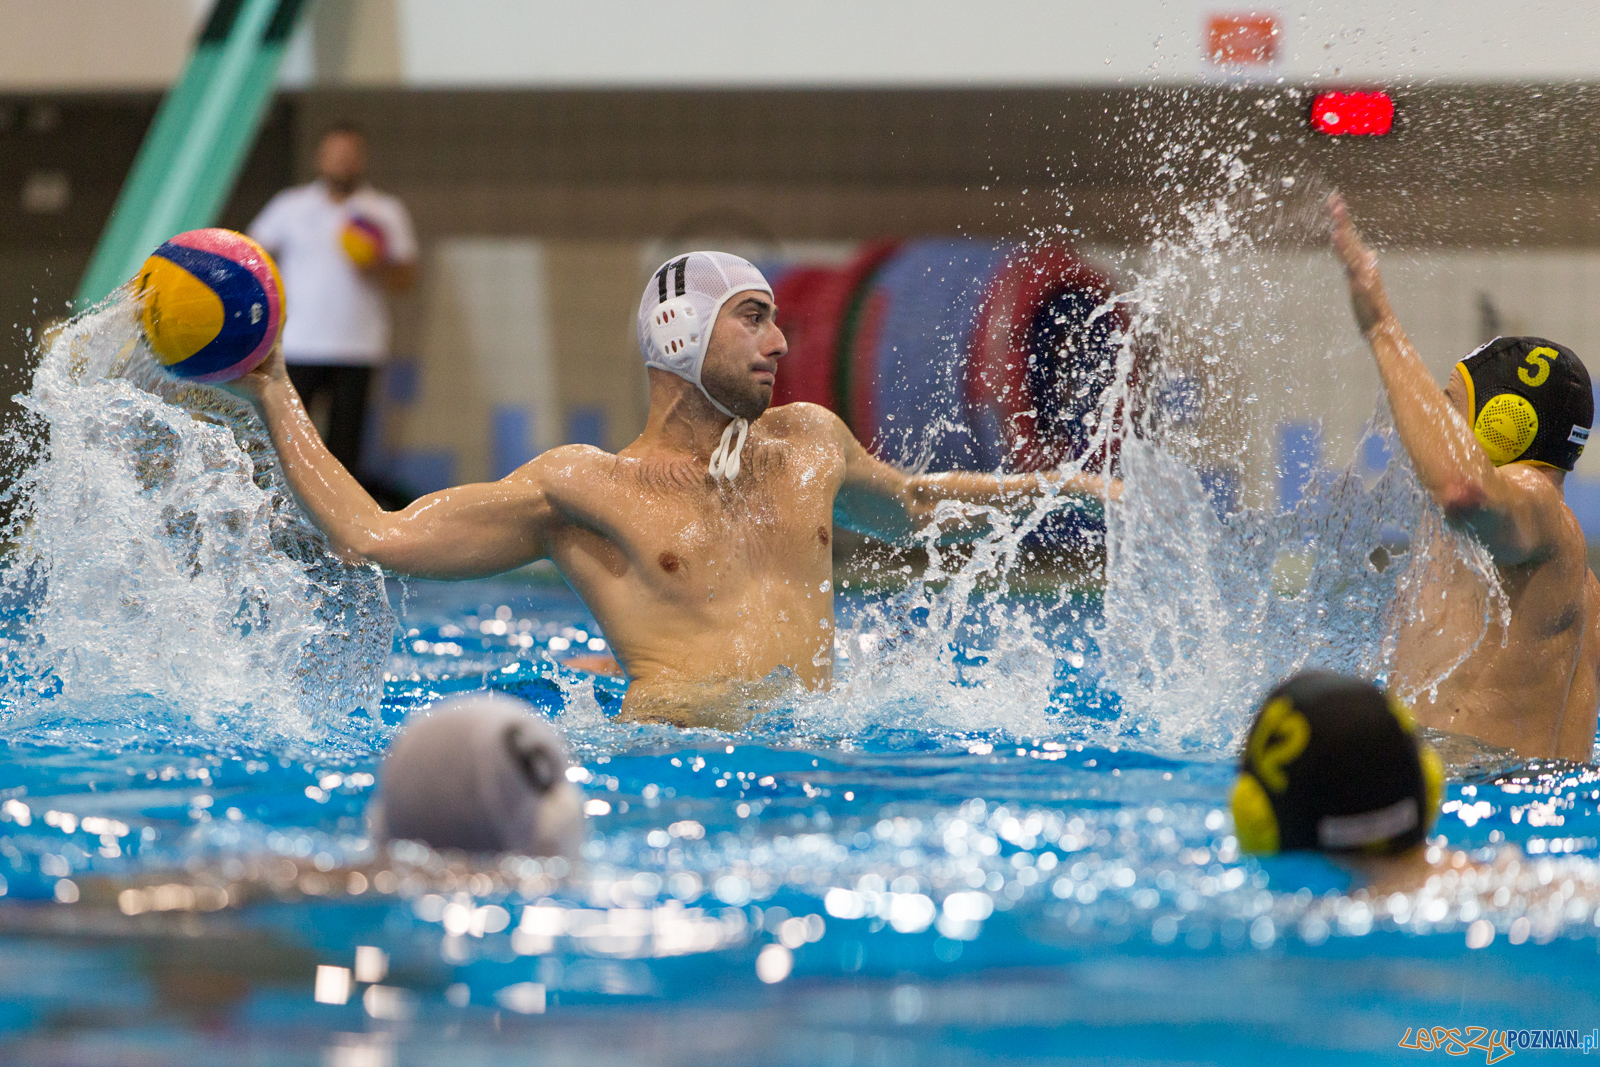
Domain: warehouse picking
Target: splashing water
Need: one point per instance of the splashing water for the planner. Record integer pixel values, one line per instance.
(1206, 609)
(1196, 604)
(1206, 604)
(161, 572)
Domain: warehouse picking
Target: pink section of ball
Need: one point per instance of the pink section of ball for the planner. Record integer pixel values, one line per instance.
(235, 246)
(237, 370)
(367, 226)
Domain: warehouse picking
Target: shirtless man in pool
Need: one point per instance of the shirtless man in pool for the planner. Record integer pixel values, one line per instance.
(702, 548)
(1493, 450)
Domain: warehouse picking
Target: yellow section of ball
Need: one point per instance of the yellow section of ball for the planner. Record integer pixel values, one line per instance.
(360, 246)
(1506, 426)
(180, 313)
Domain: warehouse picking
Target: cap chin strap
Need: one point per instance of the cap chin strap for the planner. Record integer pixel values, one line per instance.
(725, 460)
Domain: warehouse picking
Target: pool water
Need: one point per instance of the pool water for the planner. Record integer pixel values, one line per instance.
(815, 888)
(1002, 836)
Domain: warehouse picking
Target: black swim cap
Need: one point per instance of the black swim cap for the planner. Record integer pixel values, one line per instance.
(1529, 401)
(1333, 764)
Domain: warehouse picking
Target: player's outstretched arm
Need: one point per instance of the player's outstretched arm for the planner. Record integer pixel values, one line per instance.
(470, 531)
(1513, 510)
(885, 502)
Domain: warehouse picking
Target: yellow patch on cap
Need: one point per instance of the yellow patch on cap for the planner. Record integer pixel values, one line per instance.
(1432, 765)
(1254, 823)
(1505, 427)
(181, 314)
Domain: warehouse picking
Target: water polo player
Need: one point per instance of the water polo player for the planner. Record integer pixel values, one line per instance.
(1334, 765)
(1493, 450)
(702, 548)
(479, 773)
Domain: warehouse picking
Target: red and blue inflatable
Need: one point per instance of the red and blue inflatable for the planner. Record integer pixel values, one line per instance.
(1043, 353)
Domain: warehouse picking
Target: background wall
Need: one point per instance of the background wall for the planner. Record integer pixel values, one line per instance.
(550, 160)
(55, 44)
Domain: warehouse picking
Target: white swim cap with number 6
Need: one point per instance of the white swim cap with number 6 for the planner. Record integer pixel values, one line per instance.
(680, 306)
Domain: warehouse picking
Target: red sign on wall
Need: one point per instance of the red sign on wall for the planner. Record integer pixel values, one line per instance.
(1243, 38)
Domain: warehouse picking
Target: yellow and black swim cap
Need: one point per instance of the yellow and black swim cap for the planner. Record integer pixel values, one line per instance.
(1333, 764)
(1529, 401)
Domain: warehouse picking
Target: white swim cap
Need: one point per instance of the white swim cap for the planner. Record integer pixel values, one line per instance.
(680, 306)
(480, 773)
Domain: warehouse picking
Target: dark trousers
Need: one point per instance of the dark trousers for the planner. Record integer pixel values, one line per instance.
(345, 385)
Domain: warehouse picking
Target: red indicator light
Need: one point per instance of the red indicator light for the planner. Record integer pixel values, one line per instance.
(1352, 114)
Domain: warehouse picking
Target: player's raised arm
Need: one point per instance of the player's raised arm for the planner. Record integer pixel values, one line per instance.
(469, 531)
(885, 502)
(1514, 509)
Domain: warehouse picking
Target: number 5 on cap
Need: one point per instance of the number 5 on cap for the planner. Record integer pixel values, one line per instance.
(1539, 357)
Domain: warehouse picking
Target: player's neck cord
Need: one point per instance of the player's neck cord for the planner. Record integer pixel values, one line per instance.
(725, 460)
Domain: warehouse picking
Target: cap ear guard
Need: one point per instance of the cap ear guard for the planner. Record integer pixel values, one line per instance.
(1254, 823)
(1432, 766)
(674, 327)
(1281, 734)
(1505, 427)
(1432, 783)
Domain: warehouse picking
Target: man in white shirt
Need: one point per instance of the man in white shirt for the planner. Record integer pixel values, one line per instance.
(341, 247)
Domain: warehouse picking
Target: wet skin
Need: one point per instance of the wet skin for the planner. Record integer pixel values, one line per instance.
(703, 588)
(1533, 686)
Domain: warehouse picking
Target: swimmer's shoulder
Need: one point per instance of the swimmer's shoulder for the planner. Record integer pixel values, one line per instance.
(1561, 533)
(567, 464)
(1529, 480)
(802, 419)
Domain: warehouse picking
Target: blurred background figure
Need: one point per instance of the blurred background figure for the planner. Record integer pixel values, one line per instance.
(342, 247)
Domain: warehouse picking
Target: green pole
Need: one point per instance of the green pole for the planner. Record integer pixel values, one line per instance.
(198, 141)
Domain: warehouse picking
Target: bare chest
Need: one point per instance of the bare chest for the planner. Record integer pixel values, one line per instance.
(674, 528)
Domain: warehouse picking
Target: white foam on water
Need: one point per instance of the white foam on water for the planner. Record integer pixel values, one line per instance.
(953, 652)
(158, 560)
